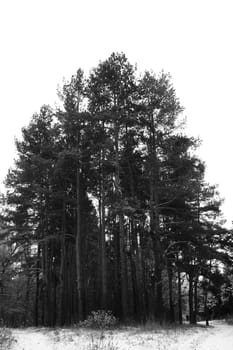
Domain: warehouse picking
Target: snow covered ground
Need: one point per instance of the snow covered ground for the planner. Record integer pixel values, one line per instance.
(219, 336)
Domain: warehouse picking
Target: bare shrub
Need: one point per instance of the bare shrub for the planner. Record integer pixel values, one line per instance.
(100, 319)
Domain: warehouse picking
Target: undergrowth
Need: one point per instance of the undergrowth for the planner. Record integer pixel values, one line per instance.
(229, 319)
(101, 343)
(100, 319)
(6, 338)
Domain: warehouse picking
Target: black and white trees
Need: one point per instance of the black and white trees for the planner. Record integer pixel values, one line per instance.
(107, 204)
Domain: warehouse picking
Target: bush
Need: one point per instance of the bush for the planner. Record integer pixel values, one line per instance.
(100, 319)
(6, 338)
(229, 319)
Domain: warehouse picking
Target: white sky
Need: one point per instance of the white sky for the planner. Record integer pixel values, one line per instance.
(42, 41)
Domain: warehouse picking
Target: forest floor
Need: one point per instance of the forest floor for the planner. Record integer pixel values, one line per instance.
(218, 336)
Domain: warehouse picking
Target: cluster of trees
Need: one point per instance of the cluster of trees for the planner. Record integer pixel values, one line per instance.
(107, 208)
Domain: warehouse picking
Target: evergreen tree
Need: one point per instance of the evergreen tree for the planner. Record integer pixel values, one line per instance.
(107, 206)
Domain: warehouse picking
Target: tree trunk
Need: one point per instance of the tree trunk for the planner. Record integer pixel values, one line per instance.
(117, 276)
(171, 304)
(191, 310)
(140, 293)
(124, 301)
(102, 237)
(54, 298)
(206, 309)
(179, 298)
(136, 306)
(154, 221)
(62, 265)
(195, 300)
(47, 285)
(78, 249)
(36, 320)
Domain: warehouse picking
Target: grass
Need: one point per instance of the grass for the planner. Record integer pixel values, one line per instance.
(152, 335)
(101, 343)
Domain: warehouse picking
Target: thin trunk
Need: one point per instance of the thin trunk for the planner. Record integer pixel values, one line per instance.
(136, 306)
(179, 298)
(191, 310)
(102, 238)
(206, 306)
(62, 264)
(154, 222)
(46, 286)
(124, 302)
(140, 308)
(171, 304)
(195, 300)
(142, 262)
(78, 249)
(47, 265)
(27, 296)
(206, 309)
(73, 286)
(159, 308)
(117, 275)
(36, 320)
(53, 299)
(135, 252)
(142, 279)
